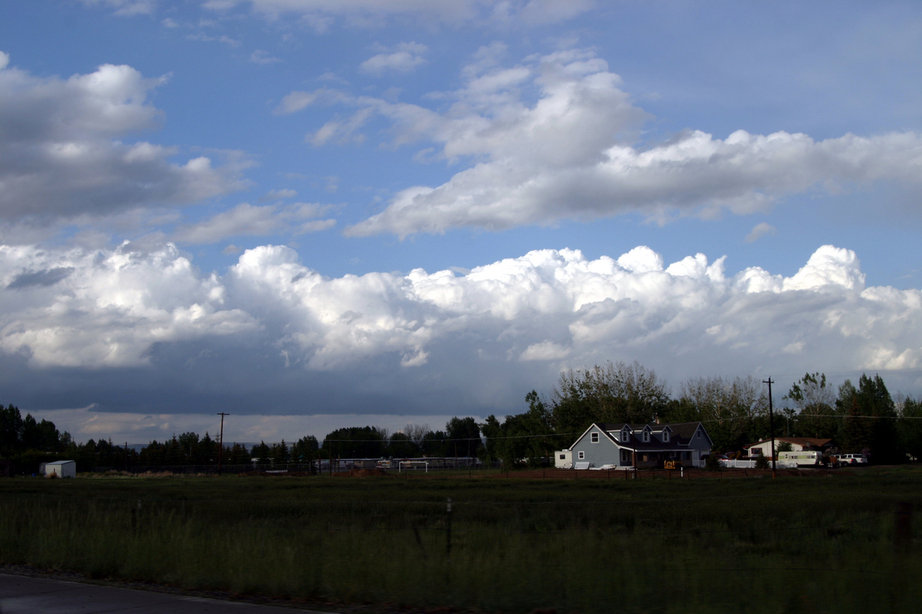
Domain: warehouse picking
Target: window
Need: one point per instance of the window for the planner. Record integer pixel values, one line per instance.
(625, 434)
(580, 455)
(666, 436)
(563, 457)
(646, 436)
(594, 437)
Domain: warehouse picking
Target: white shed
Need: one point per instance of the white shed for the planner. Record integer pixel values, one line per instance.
(59, 469)
(563, 459)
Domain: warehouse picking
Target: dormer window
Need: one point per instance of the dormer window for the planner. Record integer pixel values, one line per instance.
(625, 435)
(646, 436)
(666, 435)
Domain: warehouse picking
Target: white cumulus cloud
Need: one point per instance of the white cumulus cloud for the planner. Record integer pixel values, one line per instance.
(405, 57)
(571, 153)
(64, 153)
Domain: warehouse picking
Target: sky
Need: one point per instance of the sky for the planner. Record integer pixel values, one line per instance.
(312, 214)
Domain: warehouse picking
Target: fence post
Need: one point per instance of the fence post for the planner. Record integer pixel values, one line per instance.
(902, 534)
(448, 528)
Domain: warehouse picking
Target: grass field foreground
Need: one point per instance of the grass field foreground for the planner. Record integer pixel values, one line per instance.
(840, 544)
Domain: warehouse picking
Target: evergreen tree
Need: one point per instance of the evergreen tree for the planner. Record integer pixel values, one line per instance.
(305, 449)
(279, 453)
(463, 437)
(869, 422)
(910, 428)
(261, 452)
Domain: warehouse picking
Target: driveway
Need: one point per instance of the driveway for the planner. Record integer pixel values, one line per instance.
(30, 595)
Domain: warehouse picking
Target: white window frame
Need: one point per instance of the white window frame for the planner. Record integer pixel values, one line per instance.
(580, 455)
(646, 436)
(594, 437)
(665, 435)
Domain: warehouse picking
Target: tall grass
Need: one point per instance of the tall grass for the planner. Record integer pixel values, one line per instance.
(784, 545)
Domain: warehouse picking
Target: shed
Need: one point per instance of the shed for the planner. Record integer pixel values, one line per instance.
(59, 469)
(563, 459)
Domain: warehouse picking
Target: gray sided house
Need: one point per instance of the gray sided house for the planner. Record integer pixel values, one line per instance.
(625, 445)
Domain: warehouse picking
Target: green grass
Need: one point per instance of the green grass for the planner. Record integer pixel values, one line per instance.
(705, 545)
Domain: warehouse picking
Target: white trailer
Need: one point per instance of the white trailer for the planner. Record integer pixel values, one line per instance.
(801, 458)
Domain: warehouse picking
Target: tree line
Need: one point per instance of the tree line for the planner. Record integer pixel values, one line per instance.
(862, 417)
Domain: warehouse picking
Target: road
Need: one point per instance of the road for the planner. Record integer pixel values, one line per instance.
(30, 595)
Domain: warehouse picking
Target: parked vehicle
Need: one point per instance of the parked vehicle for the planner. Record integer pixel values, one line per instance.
(802, 458)
(852, 459)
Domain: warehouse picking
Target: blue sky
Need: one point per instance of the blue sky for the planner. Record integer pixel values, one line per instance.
(314, 214)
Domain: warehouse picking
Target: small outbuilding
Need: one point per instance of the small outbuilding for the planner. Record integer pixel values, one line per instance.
(59, 469)
(795, 444)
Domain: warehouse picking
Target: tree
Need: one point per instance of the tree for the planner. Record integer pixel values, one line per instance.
(416, 433)
(814, 402)
(492, 431)
(188, 446)
(305, 450)
(153, 454)
(401, 446)
(279, 453)
(206, 451)
(238, 455)
(463, 437)
(261, 452)
(526, 438)
(734, 412)
(435, 443)
(354, 442)
(10, 431)
(910, 427)
(869, 419)
(616, 393)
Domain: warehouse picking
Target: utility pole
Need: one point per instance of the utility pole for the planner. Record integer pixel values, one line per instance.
(221, 440)
(771, 422)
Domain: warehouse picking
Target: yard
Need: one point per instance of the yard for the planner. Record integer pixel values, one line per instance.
(515, 543)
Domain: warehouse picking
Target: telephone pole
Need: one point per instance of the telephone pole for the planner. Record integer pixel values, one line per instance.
(221, 440)
(771, 422)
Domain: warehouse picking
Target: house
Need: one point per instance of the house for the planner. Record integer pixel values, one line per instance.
(624, 445)
(798, 444)
(59, 469)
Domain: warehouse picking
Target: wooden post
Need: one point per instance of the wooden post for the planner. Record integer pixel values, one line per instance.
(448, 528)
(902, 532)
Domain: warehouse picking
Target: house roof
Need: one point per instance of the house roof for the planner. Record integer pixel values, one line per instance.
(680, 435)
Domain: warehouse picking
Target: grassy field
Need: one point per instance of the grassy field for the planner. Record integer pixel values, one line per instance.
(794, 544)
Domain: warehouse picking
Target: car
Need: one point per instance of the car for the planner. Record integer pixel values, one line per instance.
(852, 459)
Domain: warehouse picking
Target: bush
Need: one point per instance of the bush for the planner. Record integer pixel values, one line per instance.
(712, 463)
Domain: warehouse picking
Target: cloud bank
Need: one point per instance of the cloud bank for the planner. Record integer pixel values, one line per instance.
(272, 335)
